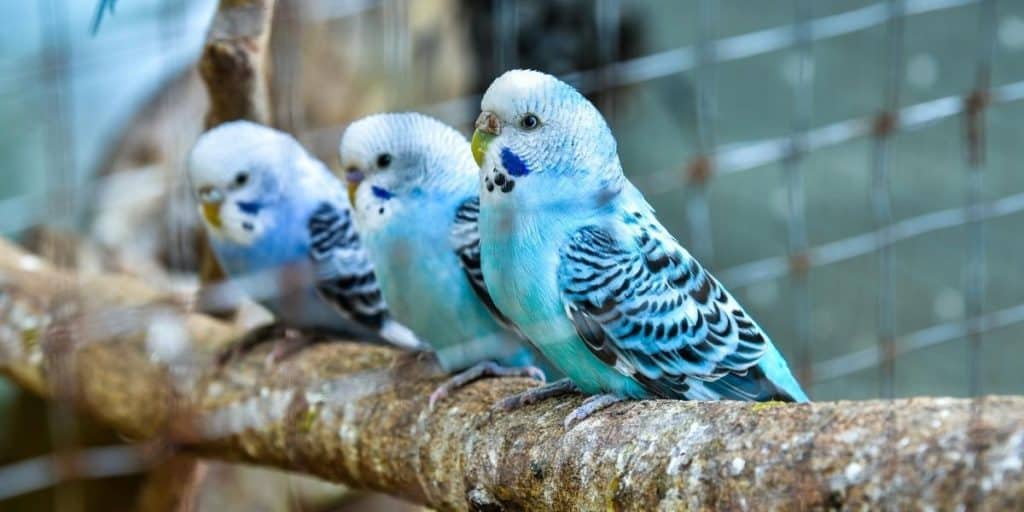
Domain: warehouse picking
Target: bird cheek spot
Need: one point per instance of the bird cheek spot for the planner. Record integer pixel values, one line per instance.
(513, 164)
(380, 211)
(249, 207)
(508, 186)
(246, 225)
(381, 193)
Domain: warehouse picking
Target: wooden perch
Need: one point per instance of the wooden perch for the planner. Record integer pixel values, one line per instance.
(358, 415)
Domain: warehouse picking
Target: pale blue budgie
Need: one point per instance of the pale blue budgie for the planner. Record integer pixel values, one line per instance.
(280, 225)
(573, 254)
(416, 206)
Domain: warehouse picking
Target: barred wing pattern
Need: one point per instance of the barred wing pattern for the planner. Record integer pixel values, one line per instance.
(647, 308)
(465, 239)
(345, 275)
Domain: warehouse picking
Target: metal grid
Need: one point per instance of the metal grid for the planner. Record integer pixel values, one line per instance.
(714, 161)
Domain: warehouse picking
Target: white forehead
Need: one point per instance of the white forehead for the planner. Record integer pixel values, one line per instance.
(522, 90)
(231, 147)
(406, 132)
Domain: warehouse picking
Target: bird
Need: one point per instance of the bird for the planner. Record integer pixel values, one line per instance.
(415, 196)
(573, 254)
(280, 224)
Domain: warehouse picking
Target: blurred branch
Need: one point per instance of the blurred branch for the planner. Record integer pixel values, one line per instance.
(173, 485)
(233, 64)
(51, 470)
(358, 415)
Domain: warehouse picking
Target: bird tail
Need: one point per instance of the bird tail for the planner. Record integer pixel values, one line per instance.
(401, 336)
(769, 380)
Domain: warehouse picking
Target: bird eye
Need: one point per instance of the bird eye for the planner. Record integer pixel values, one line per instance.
(383, 160)
(529, 122)
(241, 178)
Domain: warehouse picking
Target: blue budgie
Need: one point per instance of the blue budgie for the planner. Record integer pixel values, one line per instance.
(416, 206)
(573, 254)
(280, 224)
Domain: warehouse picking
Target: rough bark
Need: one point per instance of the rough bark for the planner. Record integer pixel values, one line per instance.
(358, 415)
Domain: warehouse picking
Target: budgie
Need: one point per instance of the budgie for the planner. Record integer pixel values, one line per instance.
(280, 225)
(415, 190)
(573, 254)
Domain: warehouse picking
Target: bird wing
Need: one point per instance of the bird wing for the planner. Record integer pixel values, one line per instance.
(465, 240)
(345, 276)
(644, 306)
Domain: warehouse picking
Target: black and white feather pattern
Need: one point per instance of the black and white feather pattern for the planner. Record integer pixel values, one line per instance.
(647, 308)
(345, 276)
(465, 239)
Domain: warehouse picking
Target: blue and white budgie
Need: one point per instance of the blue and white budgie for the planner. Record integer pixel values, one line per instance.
(280, 225)
(573, 254)
(416, 205)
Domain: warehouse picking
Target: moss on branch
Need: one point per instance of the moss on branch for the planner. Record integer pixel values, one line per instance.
(358, 415)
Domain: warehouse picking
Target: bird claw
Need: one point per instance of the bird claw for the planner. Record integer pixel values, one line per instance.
(591, 405)
(287, 343)
(479, 371)
(534, 395)
(247, 342)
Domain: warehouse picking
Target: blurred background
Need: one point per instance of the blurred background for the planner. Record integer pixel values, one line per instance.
(849, 169)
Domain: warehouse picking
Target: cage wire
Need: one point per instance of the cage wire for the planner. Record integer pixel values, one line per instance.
(925, 258)
(891, 117)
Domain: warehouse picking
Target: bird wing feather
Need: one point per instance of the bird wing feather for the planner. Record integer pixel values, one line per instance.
(345, 276)
(465, 240)
(646, 307)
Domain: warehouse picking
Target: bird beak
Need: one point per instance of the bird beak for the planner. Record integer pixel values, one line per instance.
(210, 209)
(487, 128)
(353, 177)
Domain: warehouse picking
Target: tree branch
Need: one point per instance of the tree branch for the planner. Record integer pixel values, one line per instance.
(234, 61)
(358, 415)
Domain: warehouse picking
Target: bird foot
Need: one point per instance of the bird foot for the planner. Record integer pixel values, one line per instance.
(479, 371)
(532, 396)
(288, 342)
(591, 405)
(250, 340)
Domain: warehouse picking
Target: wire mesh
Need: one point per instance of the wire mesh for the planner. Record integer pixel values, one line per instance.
(706, 161)
(726, 159)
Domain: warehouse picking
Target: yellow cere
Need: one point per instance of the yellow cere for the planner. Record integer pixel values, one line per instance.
(479, 145)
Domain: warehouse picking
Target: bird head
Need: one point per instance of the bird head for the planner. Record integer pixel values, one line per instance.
(236, 172)
(539, 141)
(386, 157)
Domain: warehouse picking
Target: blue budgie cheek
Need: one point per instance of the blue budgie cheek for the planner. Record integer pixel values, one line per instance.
(513, 164)
(381, 193)
(249, 207)
(503, 179)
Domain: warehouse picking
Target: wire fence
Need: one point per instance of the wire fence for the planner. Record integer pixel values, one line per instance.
(711, 159)
(714, 161)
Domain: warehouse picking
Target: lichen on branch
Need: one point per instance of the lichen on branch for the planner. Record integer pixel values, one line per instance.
(359, 415)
